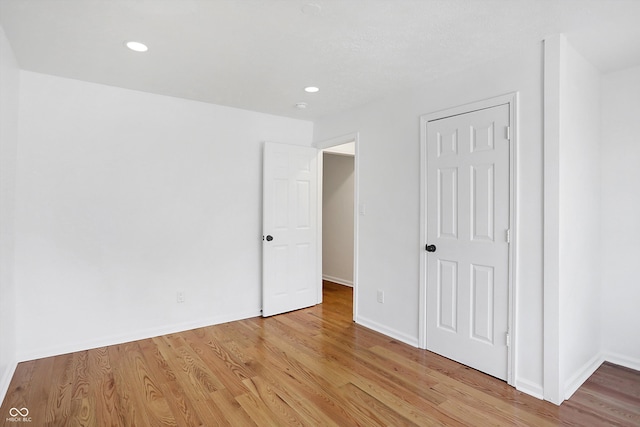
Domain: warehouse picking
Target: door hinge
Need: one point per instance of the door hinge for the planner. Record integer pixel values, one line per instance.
(509, 133)
(507, 235)
(507, 339)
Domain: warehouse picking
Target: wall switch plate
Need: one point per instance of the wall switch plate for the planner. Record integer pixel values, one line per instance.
(180, 296)
(380, 296)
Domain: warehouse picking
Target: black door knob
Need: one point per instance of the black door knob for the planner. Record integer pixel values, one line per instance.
(269, 237)
(431, 248)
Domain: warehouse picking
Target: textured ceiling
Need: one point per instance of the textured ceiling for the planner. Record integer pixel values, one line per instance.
(260, 54)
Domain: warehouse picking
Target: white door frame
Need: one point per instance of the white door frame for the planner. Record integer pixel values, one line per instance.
(321, 146)
(512, 100)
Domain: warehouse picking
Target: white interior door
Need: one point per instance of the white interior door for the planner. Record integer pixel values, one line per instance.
(467, 249)
(290, 228)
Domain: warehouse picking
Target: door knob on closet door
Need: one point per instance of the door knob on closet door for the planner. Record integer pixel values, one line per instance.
(430, 248)
(269, 237)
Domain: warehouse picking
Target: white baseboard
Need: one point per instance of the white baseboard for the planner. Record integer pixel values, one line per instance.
(530, 388)
(133, 336)
(581, 375)
(626, 361)
(5, 380)
(390, 332)
(337, 280)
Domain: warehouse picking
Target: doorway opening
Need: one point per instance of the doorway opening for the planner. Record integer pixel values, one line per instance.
(338, 218)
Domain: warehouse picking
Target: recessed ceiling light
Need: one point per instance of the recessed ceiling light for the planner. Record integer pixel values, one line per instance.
(137, 46)
(311, 89)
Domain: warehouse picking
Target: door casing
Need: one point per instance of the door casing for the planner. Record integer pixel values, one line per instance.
(352, 137)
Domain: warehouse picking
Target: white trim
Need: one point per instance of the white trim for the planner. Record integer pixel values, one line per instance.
(338, 280)
(512, 100)
(321, 145)
(583, 374)
(334, 153)
(319, 226)
(588, 369)
(390, 332)
(338, 140)
(622, 360)
(530, 388)
(134, 336)
(552, 368)
(513, 236)
(5, 381)
(422, 286)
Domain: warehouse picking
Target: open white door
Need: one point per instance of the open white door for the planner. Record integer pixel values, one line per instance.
(290, 228)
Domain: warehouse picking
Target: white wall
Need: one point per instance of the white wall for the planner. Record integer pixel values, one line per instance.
(126, 198)
(579, 216)
(389, 244)
(337, 218)
(621, 216)
(9, 95)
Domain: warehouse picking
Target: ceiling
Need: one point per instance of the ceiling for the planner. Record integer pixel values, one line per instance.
(260, 54)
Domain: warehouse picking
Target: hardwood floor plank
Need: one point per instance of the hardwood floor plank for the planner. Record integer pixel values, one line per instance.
(20, 388)
(310, 396)
(463, 392)
(395, 372)
(609, 408)
(83, 404)
(290, 410)
(232, 412)
(266, 408)
(428, 363)
(179, 399)
(231, 371)
(621, 381)
(141, 399)
(367, 375)
(492, 411)
(129, 402)
(469, 415)
(310, 367)
(301, 362)
(59, 401)
(371, 409)
(101, 393)
(190, 363)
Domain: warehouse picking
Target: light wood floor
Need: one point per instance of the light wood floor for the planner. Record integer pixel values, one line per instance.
(312, 367)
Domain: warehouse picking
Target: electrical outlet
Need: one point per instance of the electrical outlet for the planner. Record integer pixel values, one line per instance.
(180, 296)
(380, 296)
